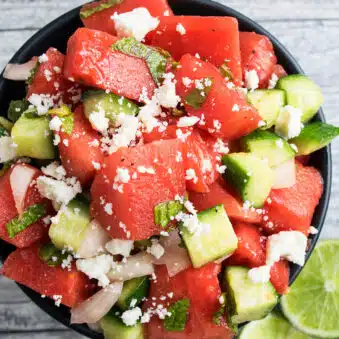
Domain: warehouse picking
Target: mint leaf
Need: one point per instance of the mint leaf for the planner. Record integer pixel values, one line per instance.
(218, 315)
(226, 71)
(178, 318)
(52, 255)
(68, 123)
(32, 73)
(198, 95)
(156, 59)
(164, 211)
(29, 217)
(85, 13)
(16, 108)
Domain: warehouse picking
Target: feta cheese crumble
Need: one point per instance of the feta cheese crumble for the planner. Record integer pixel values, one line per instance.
(55, 124)
(136, 23)
(166, 93)
(288, 124)
(251, 80)
(130, 317)
(43, 58)
(54, 170)
(260, 274)
(273, 81)
(99, 121)
(121, 247)
(180, 29)
(190, 175)
(156, 249)
(187, 121)
(42, 102)
(7, 149)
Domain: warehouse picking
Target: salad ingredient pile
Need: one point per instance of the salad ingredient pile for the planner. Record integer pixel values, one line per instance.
(157, 178)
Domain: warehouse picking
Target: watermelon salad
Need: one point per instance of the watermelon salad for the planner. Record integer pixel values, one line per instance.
(155, 179)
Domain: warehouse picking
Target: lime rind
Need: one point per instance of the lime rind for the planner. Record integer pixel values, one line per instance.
(312, 305)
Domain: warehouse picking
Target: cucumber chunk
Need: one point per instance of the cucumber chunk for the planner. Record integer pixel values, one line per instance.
(314, 137)
(33, 137)
(267, 145)
(303, 93)
(247, 300)
(114, 328)
(110, 103)
(250, 176)
(134, 289)
(71, 225)
(268, 102)
(219, 241)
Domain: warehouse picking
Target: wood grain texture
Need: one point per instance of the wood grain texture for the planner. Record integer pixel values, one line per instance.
(308, 28)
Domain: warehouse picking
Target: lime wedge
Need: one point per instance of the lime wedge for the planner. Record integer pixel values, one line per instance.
(273, 326)
(312, 305)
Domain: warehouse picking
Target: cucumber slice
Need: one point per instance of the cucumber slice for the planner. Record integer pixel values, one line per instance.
(303, 93)
(218, 242)
(33, 137)
(267, 145)
(134, 289)
(69, 230)
(251, 177)
(247, 300)
(114, 328)
(112, 104)
(314, 137)
(268, 102)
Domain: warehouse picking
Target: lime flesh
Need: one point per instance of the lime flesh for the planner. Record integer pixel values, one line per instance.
(312, 305)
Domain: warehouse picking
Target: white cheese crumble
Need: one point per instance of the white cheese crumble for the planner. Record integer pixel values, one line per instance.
(220, 147)
(156, 249)
(288, 124)
(42, 102)
(190, 175)
(108, 208)
(48, 75)
(43, 58)
(99, 121)
(96, 165)
(180, 29)
(251, 79)
(96, 268)
(280, 143)
(290, 245)
(313, 230)
(260, 274)
(54, 170)
(187, 121)
(136, 23)
(221, 168)
(206, 166)
(192, 224)
(7, 149)
(186, 81)
(121, 247)
(273, 81)
(235, 108)
(143, 170)
(55, 124)
(130, 317)
(166, 94)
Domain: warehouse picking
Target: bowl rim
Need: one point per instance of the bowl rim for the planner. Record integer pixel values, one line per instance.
(48, 305)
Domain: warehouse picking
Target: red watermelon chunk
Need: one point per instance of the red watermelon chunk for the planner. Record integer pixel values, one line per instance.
(251, 247)
(171, 132)
(201, 286)
(215, 39)
(133, 194)
(80, 152)
(257, 54)
(8, 211)
(91, 61)
(291, 209)
(226, 112)
(25, 267)
(49, 80)
(220, 193)
(280, 274)
(102, 21)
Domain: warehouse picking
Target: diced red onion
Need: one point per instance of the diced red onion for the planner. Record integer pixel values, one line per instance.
(20, 179)
(284, 175)
(135, 266)
(175, 257)
(97, 306)
(95, 239)
(19, 72)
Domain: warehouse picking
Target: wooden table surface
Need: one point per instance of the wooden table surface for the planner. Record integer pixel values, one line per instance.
(308, 28)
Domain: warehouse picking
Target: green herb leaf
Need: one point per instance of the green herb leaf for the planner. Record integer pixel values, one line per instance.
(16, 109)
(3, 132)
(32, 73)
(156, 59)
(197, 96)
(164, 211)
(29, 217)
(226, 71)
(178, 318)
(52, 255)
(86, 12)
(68, 123)
(6, 124)
(218, 315)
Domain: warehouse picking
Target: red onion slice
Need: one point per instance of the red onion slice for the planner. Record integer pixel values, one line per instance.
(135, 266)
(97, 306)
(19, 72)
(20, 179)
(94, 241)
(284, 175)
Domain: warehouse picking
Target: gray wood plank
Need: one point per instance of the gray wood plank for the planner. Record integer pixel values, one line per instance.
(67, 334)
(19, 14)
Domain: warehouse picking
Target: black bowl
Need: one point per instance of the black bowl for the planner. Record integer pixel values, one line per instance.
(57, 33)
